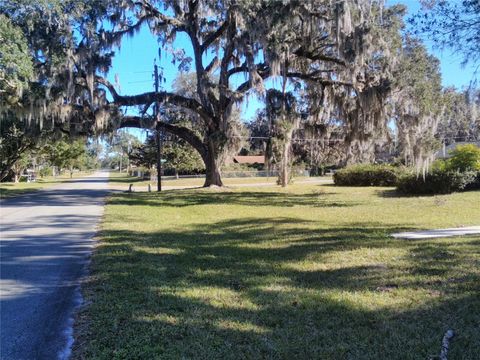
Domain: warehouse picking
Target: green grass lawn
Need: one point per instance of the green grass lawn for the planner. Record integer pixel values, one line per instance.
(10, 189)
(309, 272)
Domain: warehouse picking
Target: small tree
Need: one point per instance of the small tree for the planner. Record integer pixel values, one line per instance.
(178, 155)
(19, 166)
(419, 104)
(63, 154)
(259, 131)
(121, 144)
(461, 119)
(181, 157)
(465, 158)
(144, 154)
(281, 111)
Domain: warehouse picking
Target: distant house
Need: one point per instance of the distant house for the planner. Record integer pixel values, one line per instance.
(444, 153)
(249, 160)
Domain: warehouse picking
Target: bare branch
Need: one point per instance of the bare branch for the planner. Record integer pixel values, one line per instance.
(213, 64)
(301, 52)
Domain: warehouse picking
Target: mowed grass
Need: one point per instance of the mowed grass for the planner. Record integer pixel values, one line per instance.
(309, 272)
(10, 189)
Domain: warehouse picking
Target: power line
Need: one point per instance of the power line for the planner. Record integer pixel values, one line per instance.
(294, 139)
(134, 72)
(139, 82)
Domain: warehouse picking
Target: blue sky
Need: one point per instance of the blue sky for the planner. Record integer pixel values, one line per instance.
(134, 65)
(453, 74)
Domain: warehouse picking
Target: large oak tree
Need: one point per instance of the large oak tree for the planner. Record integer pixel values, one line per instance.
(337, 49)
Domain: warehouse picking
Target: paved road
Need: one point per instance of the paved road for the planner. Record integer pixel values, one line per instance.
(46, 241)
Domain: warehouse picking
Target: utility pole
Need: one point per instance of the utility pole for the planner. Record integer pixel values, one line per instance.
(129, 149)
(157, 134)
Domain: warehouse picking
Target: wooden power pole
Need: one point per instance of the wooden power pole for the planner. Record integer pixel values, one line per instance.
(157, 133)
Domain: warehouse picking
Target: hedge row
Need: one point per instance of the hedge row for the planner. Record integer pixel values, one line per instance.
(367, 175)
(439, 182)
(460, 172)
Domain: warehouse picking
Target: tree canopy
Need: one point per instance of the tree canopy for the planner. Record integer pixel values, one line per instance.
(341, 61)
(453, 25)
(16, 66)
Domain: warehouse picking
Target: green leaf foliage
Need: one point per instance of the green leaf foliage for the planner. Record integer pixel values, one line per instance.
(438, 181)
(65, 153)
(367, 175)
(16, 66)
(464, 158)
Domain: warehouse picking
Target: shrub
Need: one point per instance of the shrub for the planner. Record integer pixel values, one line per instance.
(438, 181)
(367, 175)
(45, 171)
(465, 158)
(439, 164)
(475, 184)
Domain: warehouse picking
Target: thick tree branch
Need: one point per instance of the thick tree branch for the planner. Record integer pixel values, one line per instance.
(319, 80)
(214, 36)
(239, 69)
(227, 55)
(152, 97)
(182, 132)
(165, 20)
(112, 37)
(213, 65)
(263, 71)
(301, 52)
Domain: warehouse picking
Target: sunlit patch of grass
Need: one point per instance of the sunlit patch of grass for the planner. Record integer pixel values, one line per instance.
(308, 272)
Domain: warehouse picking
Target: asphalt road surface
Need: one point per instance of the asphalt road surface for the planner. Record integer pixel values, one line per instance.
(46, 242)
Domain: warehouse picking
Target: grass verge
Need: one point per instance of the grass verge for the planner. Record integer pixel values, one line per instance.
(11, 189)
(261, 273)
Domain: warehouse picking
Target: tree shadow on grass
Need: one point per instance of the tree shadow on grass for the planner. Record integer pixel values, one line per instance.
(187, 198)
(394, 193)
(228, 290)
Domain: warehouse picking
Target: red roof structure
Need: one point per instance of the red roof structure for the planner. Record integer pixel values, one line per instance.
(256, 159)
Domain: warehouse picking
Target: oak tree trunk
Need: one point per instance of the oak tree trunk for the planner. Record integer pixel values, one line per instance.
(212, 170)
(212, 165)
